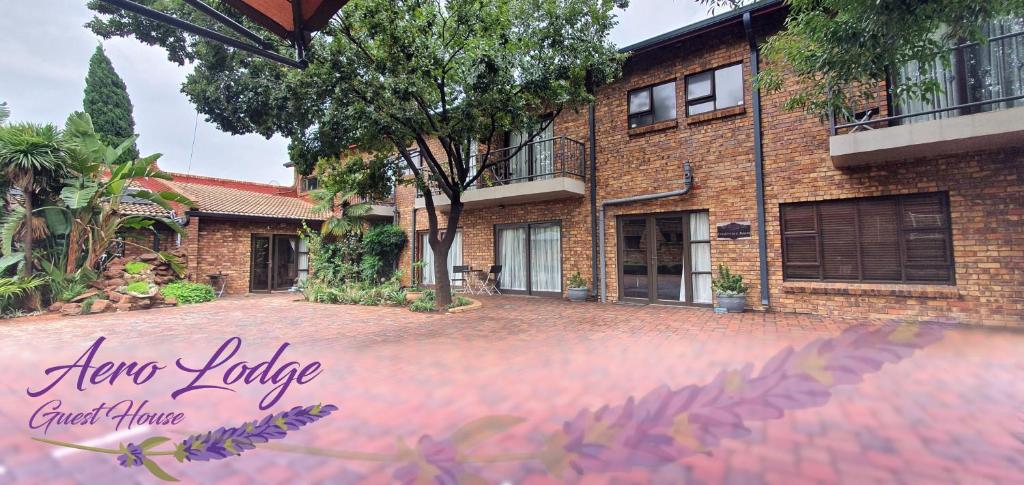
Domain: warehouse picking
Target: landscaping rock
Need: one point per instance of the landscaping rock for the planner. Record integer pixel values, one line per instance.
(113, 274)
(123, 307)
(128, 300)
(98, 284)
(85, 296)
(114, 296)
(149, 257)
(100, 306)
(70, 309)
(170, 301)
(143, 303)
(114, 283)
(56, 306)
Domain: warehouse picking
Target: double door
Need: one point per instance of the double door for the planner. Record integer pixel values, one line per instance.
(274, 262)
(665, 258)
(530, 256)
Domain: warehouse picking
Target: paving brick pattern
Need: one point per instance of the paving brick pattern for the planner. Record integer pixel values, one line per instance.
(951, 412)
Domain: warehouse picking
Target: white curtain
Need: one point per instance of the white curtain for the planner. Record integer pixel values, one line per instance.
(545, 258)
(512, 258)
(544, 154)
(700, 255)
(454, 257)
(472, 163)
(303, 260)
(994, 70)
(519, 166)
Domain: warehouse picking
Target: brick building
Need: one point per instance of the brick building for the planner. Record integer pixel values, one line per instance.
(905, 210)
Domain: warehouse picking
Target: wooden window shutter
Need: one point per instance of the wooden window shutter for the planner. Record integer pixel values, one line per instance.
(927, 254)
(879, 238)
(800, 242)
(839, 249)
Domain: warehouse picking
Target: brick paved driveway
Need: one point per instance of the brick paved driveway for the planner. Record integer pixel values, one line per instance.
(715, 398)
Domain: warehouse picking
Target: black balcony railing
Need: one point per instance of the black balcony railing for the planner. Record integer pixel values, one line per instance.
(538, 160)
(974, 77)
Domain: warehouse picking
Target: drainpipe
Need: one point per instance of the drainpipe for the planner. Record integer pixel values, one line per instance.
(592, 129)
(687, 185)
(412, 247)
(755, 94)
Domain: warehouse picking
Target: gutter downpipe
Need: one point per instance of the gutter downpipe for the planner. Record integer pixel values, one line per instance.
(412, 246)
(687, 185)
(592, 128)
(762, 237)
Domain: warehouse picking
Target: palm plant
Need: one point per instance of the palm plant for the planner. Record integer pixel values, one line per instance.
(29, 153)
(13, 288)
(346, 218)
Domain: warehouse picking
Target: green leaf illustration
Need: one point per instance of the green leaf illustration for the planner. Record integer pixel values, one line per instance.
(154, 441)
(485, 427)
(157, 471)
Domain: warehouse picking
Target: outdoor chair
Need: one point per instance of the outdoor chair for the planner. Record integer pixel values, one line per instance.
(490, 284)
(460, 279)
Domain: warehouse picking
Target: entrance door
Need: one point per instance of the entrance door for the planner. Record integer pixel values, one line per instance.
(530, 256)
(665, 258)
(259, 271)
(286, 262)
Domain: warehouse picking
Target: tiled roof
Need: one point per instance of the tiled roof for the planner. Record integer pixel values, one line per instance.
(219, 199)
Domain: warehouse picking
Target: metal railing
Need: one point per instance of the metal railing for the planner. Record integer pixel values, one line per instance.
(538, 160)
(971, 85)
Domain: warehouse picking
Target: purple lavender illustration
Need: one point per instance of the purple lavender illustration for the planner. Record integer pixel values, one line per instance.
(213, 445)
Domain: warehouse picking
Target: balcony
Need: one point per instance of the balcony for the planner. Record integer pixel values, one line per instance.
(543, 170)
(981, 106)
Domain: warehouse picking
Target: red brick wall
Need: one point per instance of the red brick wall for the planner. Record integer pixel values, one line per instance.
(986, 191)
(225, 245)
(144, 238)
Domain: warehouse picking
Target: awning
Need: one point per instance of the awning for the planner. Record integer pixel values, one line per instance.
(278, 17)
(292, 20)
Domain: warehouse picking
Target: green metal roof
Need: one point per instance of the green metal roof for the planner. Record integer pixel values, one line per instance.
(705, 24)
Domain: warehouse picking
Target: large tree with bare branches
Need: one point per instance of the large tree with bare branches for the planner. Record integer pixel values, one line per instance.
(426, 79)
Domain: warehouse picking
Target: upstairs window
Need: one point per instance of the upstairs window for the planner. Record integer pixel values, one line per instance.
(715, 89)
(652, 104)
(902, 239)
(310, 183)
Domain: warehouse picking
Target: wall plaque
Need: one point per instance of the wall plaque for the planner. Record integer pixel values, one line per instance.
(734, 230)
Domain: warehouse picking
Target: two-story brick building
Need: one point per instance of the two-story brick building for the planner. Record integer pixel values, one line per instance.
(916, 211)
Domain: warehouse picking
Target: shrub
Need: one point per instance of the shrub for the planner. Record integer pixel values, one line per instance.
(458, 301)
(728, 283)
(186, 292)
(139, 288)
(11, 289)
(370, 268)
(385, 242)
(87, 304)
(425, 303)
(577, 281)
(136, 267)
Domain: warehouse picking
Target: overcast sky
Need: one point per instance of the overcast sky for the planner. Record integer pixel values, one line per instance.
(44, 57)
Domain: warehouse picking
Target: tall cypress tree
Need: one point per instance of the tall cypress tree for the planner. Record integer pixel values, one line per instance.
(106, 101)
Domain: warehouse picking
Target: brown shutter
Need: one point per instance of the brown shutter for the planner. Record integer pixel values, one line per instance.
(839, 240)
(800, 242)
(926, 256)
(879, 238)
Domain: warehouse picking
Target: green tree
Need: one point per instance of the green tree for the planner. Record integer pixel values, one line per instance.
(392, 75)
(29, 155)
(838, 51)
(106, 100)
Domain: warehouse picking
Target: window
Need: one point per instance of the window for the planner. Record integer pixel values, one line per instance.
(426, 255)
(652, 104)
(303, 265)
(879, 239)
(530, 256)
(665, 258)
(310, 183)
(714, 89)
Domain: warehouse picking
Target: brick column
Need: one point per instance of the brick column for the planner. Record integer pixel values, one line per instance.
(192, 249)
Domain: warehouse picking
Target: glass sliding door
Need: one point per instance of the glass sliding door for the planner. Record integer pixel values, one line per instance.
(665, 258)
(511, 256)
(669, 241)
(545, 258)
(633, 261)
(427, 256)
(535, 161)
(531, 258)
(259, 270)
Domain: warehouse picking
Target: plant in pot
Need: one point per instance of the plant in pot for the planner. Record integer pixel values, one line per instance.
(730, 290)
(577, 287)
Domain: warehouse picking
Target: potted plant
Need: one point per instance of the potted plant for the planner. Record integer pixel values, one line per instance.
(577, 287)
(730, 290)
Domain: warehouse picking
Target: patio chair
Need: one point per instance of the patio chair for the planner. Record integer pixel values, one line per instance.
(460, 279)
(490, 284)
